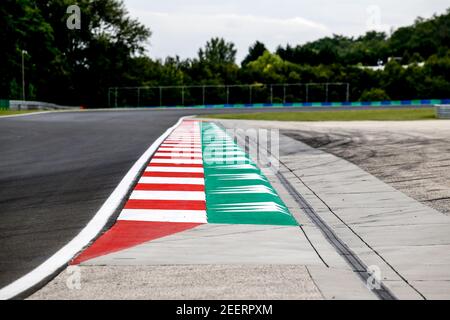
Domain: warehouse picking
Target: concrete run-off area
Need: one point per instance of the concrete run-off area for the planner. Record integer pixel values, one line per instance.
(186, 282)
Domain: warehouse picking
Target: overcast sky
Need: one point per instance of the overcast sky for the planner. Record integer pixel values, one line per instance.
(181, 27)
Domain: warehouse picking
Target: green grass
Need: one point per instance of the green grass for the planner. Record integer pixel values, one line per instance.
(11, 112)
(338, 115)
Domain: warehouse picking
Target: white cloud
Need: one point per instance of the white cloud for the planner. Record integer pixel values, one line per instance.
(185, 33)
(183, 26)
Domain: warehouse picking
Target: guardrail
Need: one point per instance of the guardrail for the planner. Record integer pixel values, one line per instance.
(18, 105)
(443, 111)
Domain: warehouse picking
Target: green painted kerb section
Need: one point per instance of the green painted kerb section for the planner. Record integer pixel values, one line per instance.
(237, 192)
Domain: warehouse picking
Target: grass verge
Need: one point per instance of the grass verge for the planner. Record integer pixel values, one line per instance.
(11, 112)
(338, 115)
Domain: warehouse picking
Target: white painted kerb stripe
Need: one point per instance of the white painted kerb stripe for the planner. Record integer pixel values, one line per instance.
(178, 140)
(180, 145)
(194, 216)
(175, 169)
(193, 149)
(164, 180)
(175, 155)
(172, 138)
(178, 161)
(167, 195)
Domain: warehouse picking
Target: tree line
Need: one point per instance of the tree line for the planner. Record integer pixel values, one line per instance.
(76, 67)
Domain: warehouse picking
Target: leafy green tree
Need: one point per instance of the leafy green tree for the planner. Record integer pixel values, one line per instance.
(23, 27)
(374, 94)
(254, 52)
(215, 63)
(218, 51)
(102, 50)
(425, 37)
(68, 66)
(436, 79)
(268, 68)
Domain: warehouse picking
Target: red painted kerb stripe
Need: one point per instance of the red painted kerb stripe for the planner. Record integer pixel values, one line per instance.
(127, 234)
(174, 174)
(169, 187)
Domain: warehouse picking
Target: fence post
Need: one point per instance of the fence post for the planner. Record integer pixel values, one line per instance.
(160, 96)
(307, 92)
(348, 93)
(182, 96)
(271, 94)
(284, 93)
(138, 97)
(228, 94)
(251, 93)
(23, 75)
(203, 91)
(115, 99)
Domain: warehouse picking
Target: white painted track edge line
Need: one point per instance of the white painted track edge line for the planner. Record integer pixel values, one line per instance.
(25, 114)
(90, 232)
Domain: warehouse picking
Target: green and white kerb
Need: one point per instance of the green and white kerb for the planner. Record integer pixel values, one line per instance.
(237, 192)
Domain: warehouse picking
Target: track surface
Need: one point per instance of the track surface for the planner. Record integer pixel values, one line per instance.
(57, 169)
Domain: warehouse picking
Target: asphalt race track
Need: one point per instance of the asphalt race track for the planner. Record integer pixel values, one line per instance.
(57, 169)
